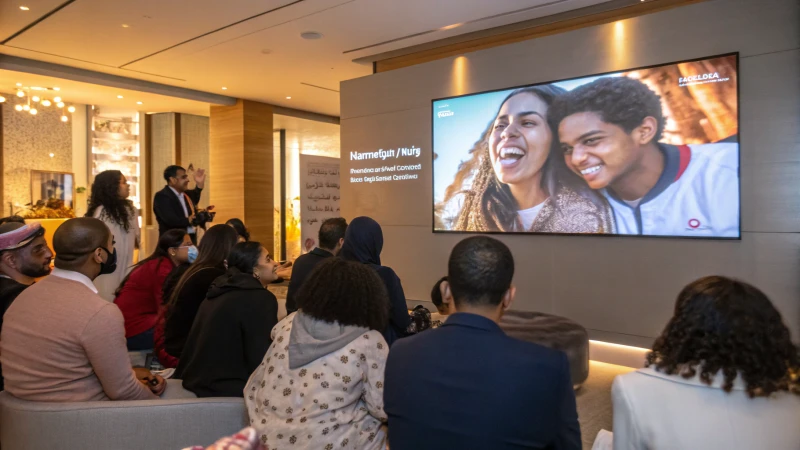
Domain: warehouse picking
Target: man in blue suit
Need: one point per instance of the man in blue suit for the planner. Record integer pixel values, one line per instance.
(466, 385)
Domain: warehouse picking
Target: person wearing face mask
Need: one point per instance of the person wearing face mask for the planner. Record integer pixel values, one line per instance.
(139, 297)
(231, 332)
(516, 179)
(24, 256)
(61, 341)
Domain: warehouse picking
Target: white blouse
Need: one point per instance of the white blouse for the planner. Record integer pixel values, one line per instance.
(334, 402)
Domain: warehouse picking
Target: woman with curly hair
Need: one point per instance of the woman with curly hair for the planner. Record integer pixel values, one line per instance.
(722, 375)
(516, 179)
(109, 203)
(320, 385)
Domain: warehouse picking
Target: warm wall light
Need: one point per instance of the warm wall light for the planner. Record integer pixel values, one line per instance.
(2, 99)
(460, 75)
(621, 355)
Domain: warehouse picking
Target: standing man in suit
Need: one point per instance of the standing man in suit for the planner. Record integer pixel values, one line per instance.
(466, 384)
(175, 205)
(331, 238)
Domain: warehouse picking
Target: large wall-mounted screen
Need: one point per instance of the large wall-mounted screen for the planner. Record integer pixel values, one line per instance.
(650, 151)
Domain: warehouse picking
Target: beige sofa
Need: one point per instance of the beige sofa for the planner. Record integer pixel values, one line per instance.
(171, 423)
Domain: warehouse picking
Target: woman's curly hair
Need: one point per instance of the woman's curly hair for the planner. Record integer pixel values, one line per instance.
(727, 326)
(347, 292)
(105, 193)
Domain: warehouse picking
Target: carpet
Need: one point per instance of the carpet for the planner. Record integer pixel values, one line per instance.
(594, 400)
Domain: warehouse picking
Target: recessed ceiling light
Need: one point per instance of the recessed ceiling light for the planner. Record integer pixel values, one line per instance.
(266, 51)
(288, 98)
(24, 8)
(56, 88)
(138, 103)
(224, 88)
(125, 25)
(311, 35)
(19, 84)
(119, 96)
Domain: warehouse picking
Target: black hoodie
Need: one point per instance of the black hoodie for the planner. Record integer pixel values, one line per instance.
(229, 337)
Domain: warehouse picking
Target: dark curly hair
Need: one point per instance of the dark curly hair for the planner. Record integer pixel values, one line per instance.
(241, 230)
(105, 193)
(728, 326)
(621, 101)
(346, 292)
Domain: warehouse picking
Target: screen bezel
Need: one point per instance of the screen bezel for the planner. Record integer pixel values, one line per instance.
(605, 235)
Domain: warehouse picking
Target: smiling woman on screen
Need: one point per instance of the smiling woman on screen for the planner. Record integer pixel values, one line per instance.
(515, 180)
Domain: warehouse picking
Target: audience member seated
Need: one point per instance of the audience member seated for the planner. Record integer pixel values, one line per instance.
(468, 385)
(61, 342)
(193, 286)
(24, 256)
(331, 238)
(164, 358)
(436, 297)
(321, 383)
(231, 333)
(241, 230)
(139, 294)
(722, 375)
(363, 243)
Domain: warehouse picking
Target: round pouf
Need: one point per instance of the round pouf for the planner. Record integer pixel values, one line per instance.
(555, 332)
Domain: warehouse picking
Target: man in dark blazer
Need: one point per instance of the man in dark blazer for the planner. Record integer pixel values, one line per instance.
(466, 385)
(175, 205)
(331, 238)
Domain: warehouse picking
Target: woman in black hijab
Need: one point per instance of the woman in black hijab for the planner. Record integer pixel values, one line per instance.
(363, 242)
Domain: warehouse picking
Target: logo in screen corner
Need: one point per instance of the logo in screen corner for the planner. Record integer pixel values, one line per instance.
(694, 224)
(448, 113)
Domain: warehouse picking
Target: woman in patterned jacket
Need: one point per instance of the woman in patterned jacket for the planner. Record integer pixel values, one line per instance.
(320, 385)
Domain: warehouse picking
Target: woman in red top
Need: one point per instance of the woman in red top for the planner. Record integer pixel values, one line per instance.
(139, 296)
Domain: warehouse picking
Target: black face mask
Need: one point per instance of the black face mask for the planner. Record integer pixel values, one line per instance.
(110, 266)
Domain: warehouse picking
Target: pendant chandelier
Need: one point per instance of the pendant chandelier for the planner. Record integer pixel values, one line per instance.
(40, 97)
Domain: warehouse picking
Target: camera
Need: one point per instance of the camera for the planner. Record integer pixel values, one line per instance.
(202, 217)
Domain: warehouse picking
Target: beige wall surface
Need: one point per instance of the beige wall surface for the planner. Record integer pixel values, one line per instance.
(621, 289)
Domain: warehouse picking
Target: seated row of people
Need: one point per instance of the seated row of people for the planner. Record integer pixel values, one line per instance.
(723, 374)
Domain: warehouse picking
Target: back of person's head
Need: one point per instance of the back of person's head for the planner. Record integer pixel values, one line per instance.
(12, 219)
(345, 292)
(213, 250)
(728, 326)
(332, 232)
(241, 230)
(436, 295)
(77, 239)
(172, 172)
(363, 241)
(244, 256)
(480, 271)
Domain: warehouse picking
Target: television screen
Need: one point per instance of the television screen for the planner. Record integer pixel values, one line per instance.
(652, 151)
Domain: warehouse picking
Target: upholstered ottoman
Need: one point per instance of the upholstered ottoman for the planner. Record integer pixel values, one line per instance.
(555, 332)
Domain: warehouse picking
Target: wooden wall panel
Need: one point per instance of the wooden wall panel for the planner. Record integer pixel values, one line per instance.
(241, 161)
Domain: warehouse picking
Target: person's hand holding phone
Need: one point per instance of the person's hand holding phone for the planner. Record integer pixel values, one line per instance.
(155, 383)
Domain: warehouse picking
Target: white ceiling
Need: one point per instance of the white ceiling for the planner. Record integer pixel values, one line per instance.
(198, 44)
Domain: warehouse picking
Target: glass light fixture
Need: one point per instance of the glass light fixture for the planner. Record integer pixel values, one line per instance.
(60, 104)
(71, 109)
(46, 102)
(57, 100)
(35, 98)
(2, 99)
(26, 107)
(20, 93)
(64, 118)
(18, 107)
(33, 111)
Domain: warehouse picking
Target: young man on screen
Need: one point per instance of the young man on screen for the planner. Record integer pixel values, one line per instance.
(609, 131)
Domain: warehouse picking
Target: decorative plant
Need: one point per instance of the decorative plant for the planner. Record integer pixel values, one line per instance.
(48, 209)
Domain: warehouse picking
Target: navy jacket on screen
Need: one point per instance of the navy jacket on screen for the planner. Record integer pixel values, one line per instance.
(467, 385)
